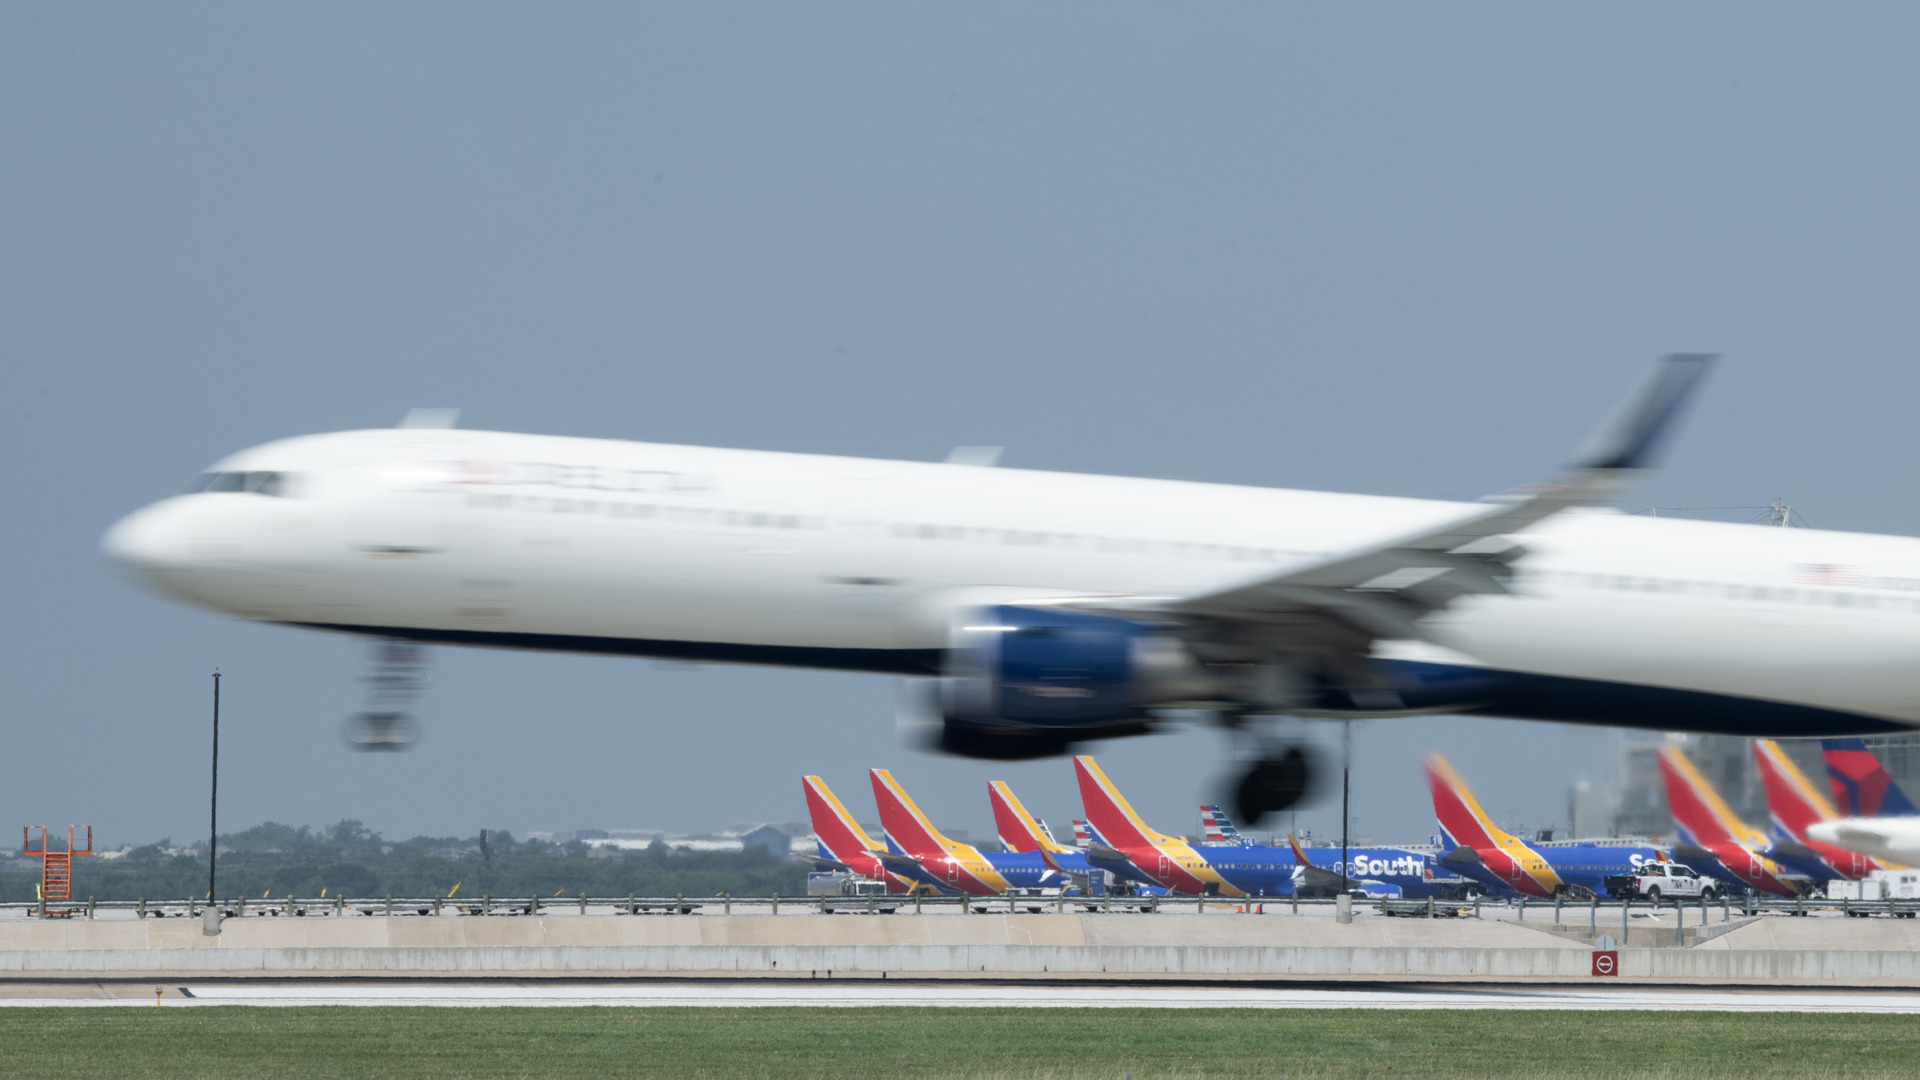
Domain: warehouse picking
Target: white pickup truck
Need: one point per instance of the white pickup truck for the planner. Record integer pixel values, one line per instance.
(1661, 881)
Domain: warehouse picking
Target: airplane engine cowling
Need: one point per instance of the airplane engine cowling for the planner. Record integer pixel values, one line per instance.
(1026, 681)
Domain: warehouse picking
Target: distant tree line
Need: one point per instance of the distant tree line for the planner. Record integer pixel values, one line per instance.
(348, 859)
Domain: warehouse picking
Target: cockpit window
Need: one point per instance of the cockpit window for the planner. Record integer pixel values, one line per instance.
(258, 483)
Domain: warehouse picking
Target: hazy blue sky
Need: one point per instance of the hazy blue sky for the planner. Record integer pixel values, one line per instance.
(1409, 249)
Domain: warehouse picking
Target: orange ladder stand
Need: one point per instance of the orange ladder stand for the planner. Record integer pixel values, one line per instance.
(56, 867)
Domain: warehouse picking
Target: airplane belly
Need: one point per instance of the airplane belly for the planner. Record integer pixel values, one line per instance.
(1824, 658)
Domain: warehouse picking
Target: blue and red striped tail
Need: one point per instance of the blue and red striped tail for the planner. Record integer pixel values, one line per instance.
(1861, 785)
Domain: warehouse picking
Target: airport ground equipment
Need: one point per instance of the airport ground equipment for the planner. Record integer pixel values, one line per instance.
(56, 867)
(1661, 881)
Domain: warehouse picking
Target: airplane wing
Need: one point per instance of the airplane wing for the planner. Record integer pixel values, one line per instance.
(903, 864)
(1349, 600)
(822, 865)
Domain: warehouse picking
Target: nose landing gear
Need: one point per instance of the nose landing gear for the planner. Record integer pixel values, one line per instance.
(1272, 784)
(397, 672)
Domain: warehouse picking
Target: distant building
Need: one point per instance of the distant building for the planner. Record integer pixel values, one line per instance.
(766, 836)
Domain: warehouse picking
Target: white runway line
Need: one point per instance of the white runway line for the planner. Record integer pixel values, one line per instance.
(975, 996)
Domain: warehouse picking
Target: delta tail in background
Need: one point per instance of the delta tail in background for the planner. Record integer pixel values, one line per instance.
(1880, 820)
(1047, 609)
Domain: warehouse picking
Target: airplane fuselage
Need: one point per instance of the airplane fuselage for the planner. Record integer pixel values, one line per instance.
(487, 538)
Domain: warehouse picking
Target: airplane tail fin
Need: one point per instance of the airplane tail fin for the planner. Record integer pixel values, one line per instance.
(1462, 822)
(1215, 827)
(1861, 785)
(1793, 803)
(1018, 830)
(902, 819)
(1082, 834)
(1700, 815)
(840, 836)
(1109, 812)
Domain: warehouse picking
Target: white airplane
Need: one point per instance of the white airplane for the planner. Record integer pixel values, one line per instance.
(1053, 608)
(1895, 839)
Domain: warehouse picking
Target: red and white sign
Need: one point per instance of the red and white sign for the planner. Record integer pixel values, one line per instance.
(1606, 962)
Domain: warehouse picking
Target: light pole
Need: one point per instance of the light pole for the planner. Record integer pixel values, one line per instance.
(213, 813)
(1346, 774)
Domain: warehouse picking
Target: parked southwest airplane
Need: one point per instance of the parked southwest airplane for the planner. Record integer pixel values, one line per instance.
(1245, 869)
(1713, 840)
(1483, 852)
(1055, 608)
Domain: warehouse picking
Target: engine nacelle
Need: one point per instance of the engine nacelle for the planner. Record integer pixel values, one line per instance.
(1026, 680)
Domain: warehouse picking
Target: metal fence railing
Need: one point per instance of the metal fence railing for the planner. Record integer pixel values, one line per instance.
(1594, 913)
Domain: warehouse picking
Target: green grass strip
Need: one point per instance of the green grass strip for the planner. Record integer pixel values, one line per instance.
(240, 1043)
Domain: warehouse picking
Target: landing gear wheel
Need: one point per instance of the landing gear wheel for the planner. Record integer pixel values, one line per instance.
(377, 731)
(1273, 784)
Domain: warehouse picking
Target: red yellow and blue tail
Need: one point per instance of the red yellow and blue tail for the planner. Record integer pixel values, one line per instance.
(957, 864)
(1464, 824)
(1017, 829)
(1861, 785)
(1700, 815)
(1792, 801)
(1169, 860)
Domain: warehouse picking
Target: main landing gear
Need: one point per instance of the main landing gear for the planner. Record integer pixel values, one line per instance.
(397, 672)
(1273, 783)
(1279, 773)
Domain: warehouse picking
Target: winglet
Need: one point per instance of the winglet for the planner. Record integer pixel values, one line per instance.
(1299, 853)
(1631, 437)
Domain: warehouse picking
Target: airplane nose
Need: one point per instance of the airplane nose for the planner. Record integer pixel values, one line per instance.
(151, 545)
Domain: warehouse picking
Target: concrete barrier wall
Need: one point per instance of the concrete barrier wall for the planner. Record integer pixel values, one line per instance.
(1854, 953)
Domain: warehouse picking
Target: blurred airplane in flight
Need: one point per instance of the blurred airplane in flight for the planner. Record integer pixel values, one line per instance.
(1793, 807)
(1481, 851)
(1713, 841)
(1047, 609)
(1880, 820)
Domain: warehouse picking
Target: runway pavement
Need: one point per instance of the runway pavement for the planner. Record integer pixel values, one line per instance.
(869, 993)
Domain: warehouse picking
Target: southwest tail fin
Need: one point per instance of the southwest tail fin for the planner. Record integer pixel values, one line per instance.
(902, 819)
(1462, 822)
(1215, 828)
(1861, 785)
(1018, 830)
(1699, 813)
(1109, 812)
(1793, 803)
(840, 836)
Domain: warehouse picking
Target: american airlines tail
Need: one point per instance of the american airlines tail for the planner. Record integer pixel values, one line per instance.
(1215, 827)
(1699, 813)
(1018, 830)
(1861, 785)
(1792, 801)
(1082, 834)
